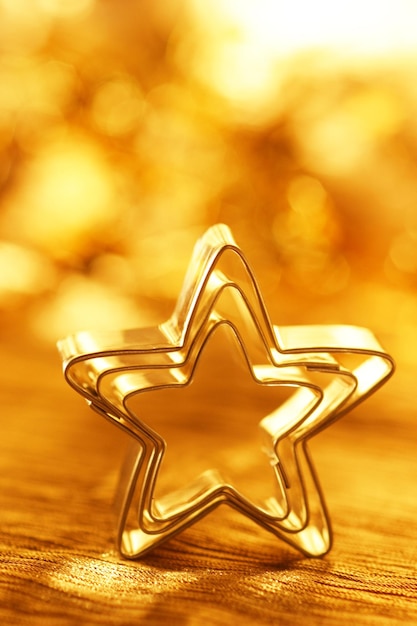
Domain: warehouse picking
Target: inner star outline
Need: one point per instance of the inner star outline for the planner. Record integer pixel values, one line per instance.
(108, 369)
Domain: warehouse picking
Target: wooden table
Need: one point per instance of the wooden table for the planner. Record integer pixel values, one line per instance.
(58, 565)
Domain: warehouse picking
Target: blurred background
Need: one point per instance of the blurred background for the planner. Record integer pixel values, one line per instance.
(127, 128)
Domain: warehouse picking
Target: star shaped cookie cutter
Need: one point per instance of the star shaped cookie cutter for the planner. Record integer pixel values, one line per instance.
(330, 368)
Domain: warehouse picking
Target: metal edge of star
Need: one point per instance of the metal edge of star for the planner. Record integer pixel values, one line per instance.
(109, 368)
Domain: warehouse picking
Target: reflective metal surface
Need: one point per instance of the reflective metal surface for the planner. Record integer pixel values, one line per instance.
(329, 368)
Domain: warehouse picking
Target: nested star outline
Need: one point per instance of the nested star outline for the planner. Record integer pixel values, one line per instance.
(220, 288)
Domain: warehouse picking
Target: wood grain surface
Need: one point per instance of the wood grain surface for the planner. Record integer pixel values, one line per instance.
(59, 469)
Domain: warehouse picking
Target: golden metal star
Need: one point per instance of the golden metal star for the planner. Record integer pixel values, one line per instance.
(330, 368)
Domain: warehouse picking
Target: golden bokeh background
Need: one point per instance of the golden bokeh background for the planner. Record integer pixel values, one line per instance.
(127, 128)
